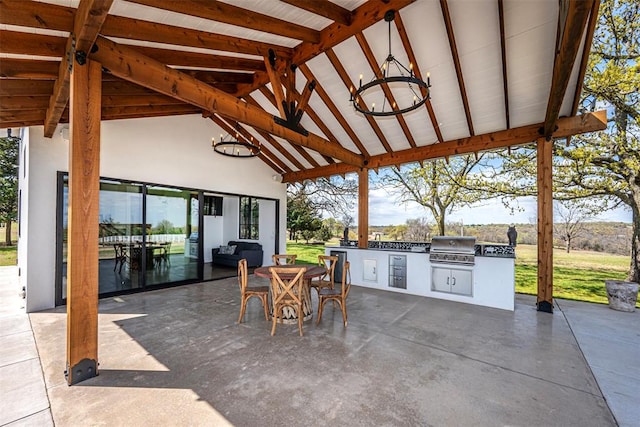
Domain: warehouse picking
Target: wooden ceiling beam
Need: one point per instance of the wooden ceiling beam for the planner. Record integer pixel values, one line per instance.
(375, 67)
(121, 112)
(572, 26)
(324, 8)
(271, 98)
(139, 100)
(456, 62)
(17, 42)
(130, 65)
(35, 14)
(362, 18)
(21, 87)
(567, 126)
(86, 26)
(402, 32)
(234, 15)
(328, 102)
(274, 143)
(24, 102)
(276, 87)
(503, 56)
(348, 83)
(28, 69)
(593, 21)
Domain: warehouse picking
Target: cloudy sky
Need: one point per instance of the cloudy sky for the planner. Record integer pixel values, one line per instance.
(385, 210)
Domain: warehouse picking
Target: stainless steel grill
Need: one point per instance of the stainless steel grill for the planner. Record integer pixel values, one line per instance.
(453, 250)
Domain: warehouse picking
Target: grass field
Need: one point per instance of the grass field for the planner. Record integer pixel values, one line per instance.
(578, 275)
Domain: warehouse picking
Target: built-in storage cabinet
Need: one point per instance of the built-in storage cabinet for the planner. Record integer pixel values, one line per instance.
(398, 271)
(452, 280)
(369, 270)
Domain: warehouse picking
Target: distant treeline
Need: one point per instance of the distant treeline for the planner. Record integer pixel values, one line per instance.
(609, 237)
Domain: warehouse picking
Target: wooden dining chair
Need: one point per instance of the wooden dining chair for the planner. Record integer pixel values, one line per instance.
(284, 259)
(337, 295)
(247, 292)
(287, 290)
(120, 256)
(328, 262)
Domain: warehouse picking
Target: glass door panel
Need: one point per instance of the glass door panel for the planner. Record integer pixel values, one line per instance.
(171, 243)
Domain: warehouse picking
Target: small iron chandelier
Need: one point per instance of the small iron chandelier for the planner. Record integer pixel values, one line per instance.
(235, 147)
(396, 82)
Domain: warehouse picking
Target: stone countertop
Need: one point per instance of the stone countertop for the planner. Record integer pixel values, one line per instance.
(482, 249)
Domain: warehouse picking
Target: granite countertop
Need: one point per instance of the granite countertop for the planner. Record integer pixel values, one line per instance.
(497, 250)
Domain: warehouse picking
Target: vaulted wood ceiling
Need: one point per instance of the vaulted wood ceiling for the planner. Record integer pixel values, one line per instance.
(504, 72)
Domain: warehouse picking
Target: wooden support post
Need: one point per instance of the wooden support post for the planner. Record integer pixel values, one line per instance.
(84, 189)
(545, 225)
(363, 208)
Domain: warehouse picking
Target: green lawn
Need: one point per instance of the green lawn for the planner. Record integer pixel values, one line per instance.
(8, 255)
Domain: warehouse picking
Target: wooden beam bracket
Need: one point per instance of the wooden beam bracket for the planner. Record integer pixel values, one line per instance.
(291, 122)
(83, 370)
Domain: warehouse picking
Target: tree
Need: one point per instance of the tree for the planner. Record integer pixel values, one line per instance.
(570, 219)
(302, 217)
(601, 164)
(438, 185)
(335, 195)
(9, 148)
(418, 230)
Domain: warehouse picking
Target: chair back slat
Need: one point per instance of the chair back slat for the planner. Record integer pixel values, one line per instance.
(284, 259)
(286, 285)
(242, 275)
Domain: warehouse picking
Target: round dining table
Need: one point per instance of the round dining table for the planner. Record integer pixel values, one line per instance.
(313, 270)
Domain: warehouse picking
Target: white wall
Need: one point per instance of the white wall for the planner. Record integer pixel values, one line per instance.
(172, 151)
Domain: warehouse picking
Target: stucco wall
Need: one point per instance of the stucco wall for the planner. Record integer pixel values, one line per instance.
(173, 151)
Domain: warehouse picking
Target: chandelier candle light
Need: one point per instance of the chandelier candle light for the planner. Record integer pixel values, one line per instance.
(234, 147)
(405, 85)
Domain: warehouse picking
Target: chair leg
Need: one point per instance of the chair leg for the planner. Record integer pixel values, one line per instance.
(264, 305)
(300, 318)
(273, 322)
(320, 309)
(243, 307)
(343, 306)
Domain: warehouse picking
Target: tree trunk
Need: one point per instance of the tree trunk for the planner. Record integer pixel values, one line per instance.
(7, 235)
(634, 270)
(568, 244)
(440, 221)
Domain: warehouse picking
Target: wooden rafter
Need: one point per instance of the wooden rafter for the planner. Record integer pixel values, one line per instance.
(333, 58)
(402, 32)
(593, 21)
(572, 27)
(324, 8)
(130, 65)
(456, 62)
(362, 18)
(590, 122)
(271, 98)
(368, 53)
(233, 15)
(87, 23)
(35, 14)
(328, 102)
(503, 57)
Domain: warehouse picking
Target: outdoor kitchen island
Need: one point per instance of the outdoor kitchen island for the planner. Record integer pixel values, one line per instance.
(451, 268)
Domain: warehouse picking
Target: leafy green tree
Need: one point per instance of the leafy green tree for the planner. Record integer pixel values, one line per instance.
(334, 196)
(9, 148)
(600, 164)
(324, 233)
(301, 216)
(438, 185)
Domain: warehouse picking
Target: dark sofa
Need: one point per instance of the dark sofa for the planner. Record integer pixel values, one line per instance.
(251, 251)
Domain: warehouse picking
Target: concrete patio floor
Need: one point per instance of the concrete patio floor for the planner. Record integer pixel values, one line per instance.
(177, 357)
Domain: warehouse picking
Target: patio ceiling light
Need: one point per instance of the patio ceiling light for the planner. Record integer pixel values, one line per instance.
(231, 146)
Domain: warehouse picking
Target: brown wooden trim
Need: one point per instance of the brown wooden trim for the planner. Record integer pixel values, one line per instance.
(36, 15)
(17, 42)
(87, 23)
(591, 28)
(567, 50)
(368, 53)
(589, 122)
(20, 87)
(545, 224)
(28, 69)
(84, 209)
(503, 56)
(233, 15)
(363, 208)
(276, 87)
(363, 17)
(456, 62)
(334, 110)
(202, 60)
(271, 98)
(21, 103)
(337, 65)
(324, 8)
(416, 70)
(130, 65)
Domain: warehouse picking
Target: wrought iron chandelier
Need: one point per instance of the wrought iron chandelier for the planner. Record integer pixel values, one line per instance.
(406, 86)
(235, 147)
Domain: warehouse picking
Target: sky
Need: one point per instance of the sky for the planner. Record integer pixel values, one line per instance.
(385, 210)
